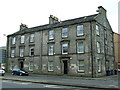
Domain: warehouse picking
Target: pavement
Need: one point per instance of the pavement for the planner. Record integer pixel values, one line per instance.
(106, 82)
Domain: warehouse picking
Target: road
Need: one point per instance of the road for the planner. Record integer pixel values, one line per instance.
(119, 79)
(16, 84)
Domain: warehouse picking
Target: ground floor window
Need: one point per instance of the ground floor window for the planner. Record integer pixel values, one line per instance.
(31, 66)
(81, 65)
(12, 65)
(99, 65)
(50, 66)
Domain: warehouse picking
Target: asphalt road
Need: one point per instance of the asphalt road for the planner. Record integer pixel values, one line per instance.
(16, 84)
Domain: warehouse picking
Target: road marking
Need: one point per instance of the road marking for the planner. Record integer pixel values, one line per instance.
(17, 82)
(52, 86)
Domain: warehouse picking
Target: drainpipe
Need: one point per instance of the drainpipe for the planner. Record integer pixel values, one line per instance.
(91, 48)
(7, 55)
(105, 49)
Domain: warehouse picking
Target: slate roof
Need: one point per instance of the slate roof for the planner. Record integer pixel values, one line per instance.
(59, 24)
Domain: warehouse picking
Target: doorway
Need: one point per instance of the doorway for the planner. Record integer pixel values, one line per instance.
(21, 65)
(65, 62)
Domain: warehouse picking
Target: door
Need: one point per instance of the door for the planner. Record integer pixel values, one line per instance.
(65, 66)
(21, 65)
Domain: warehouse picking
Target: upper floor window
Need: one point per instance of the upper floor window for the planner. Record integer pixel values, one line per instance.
(13, 40)
(105, 35)
(98, 47)
(21, 52)
(65, 32)
(65, 48)
(51, 34)
(51, 49)
(50, 66)
(32, 37)
(80, 30)
(32, 51)
(97, 30)
(12, 52)
(81, 65)
(80, 47)
(22, 39)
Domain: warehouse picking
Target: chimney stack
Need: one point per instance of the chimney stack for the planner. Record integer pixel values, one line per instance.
(101, 10)
(53, 19)
(23, 26)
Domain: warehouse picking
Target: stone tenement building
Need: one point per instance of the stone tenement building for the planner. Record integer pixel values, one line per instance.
(82, 46)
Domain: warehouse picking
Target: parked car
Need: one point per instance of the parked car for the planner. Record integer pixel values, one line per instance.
(2, 72)
(20, 72)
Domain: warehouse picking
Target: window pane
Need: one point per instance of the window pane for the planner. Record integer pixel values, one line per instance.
(13, 40)
(31, 51)
(97, 29)
(51, 34)
(65, 32)
(21, 52)
(80, 30)
(51, 50)
(12, 53)
(22, 39)
(50, 66)
(98, 47)
(80, 47)
(65, 49)
(99, 65)
(81, 65)
(31, 66)
(32, 38)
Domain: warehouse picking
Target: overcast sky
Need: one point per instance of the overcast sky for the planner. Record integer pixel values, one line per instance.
(36, 12)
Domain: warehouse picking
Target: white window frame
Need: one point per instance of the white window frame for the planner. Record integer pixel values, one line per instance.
(97, 30)
(51, 49)
(21, 52)
(79, 66)
(64, 45)
(31, 65)
(98, 47)
(50, 67)
(80, 29)
(64, 32)
(32, 36)
(12, 52)
(99, 65)
(30, 51)
(22, 39)
(51, 34)
(13, 40)
(80, 49)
